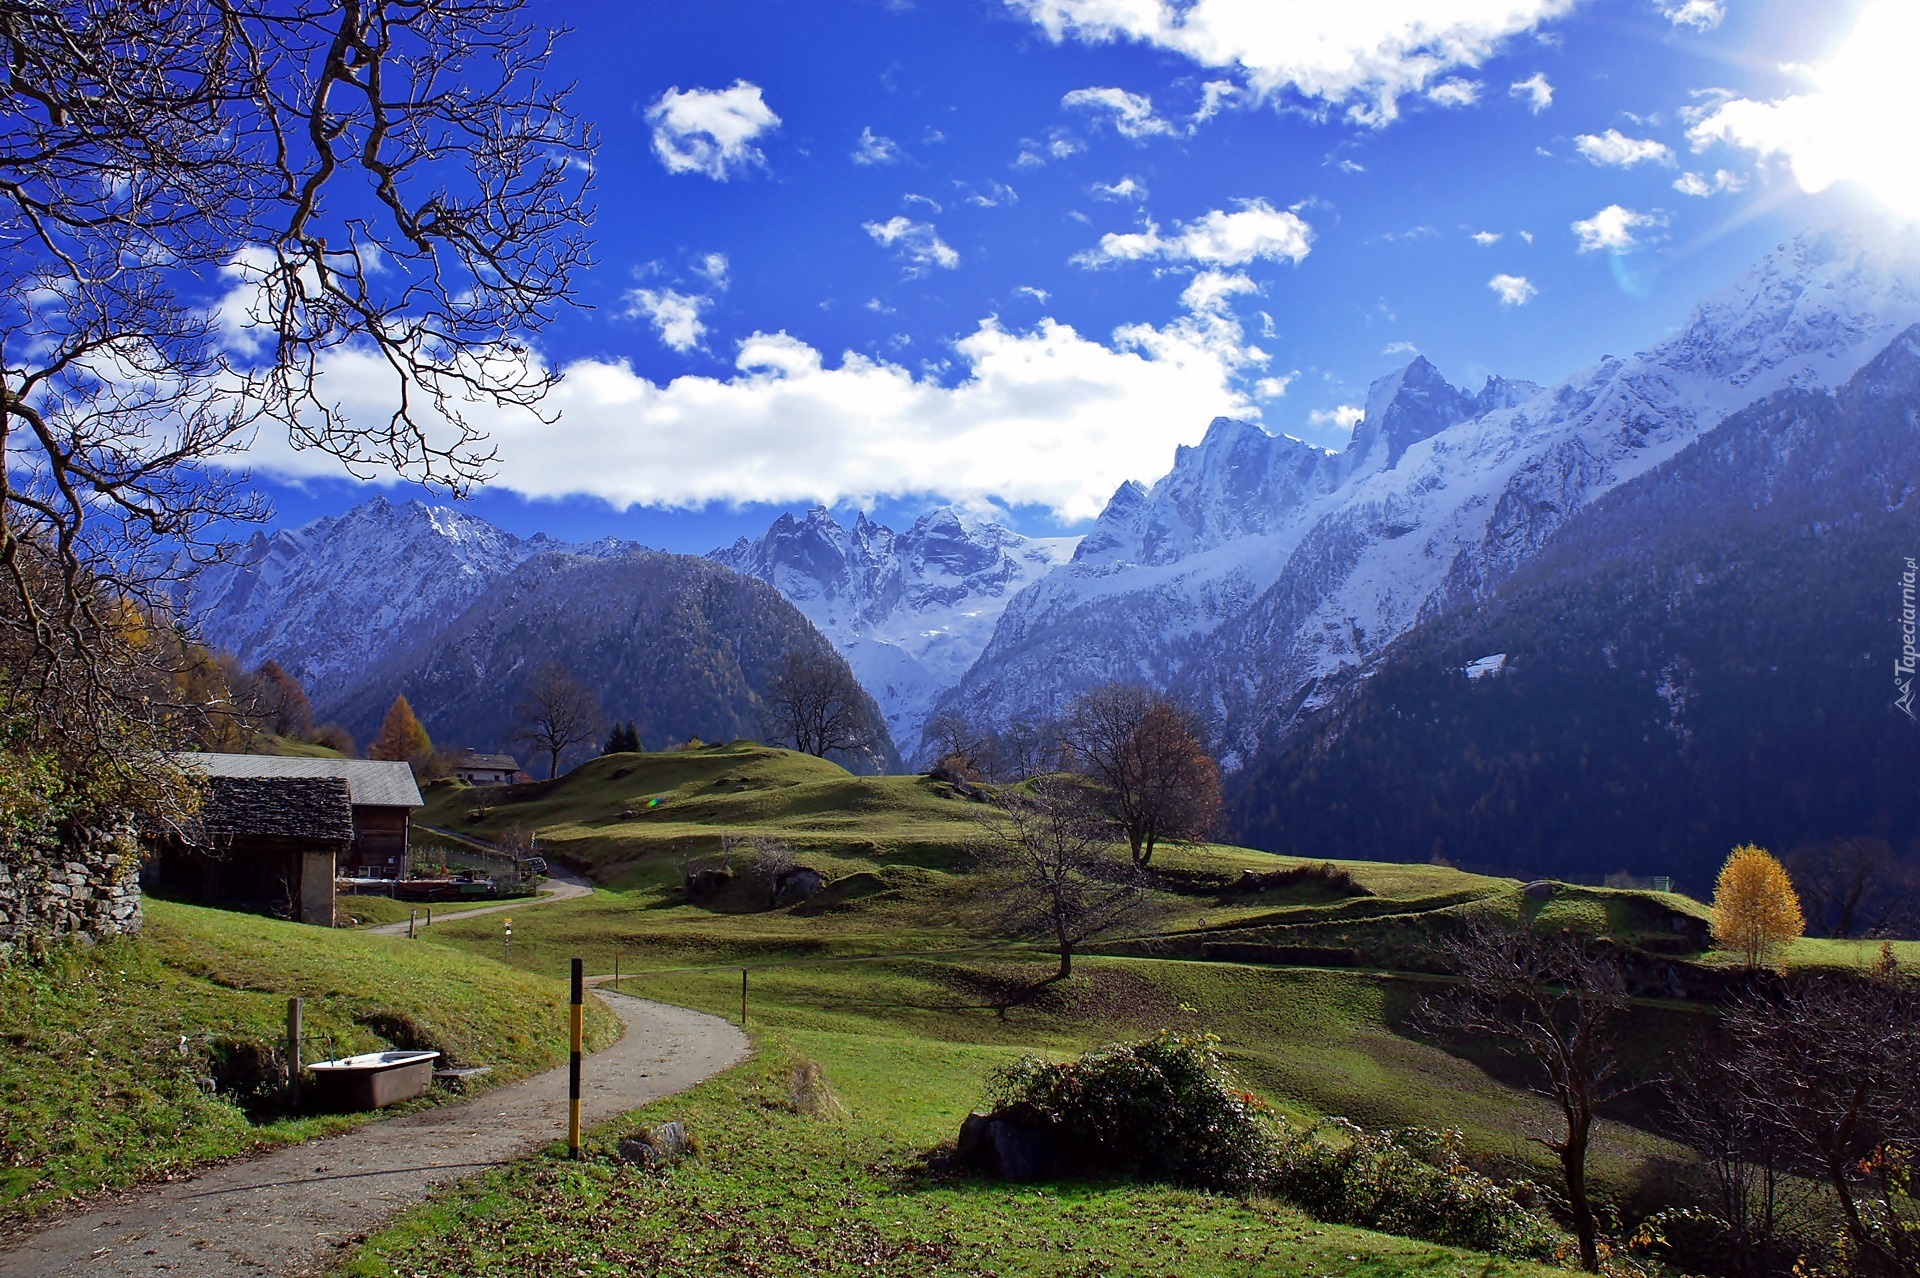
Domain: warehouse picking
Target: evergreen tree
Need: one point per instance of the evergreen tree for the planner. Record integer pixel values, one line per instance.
(622, 739)
(402, 737)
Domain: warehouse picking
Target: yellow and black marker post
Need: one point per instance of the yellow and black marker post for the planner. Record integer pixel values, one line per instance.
(573, 1064)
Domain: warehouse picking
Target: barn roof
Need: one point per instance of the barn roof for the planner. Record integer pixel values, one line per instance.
(372, 783)
(319, 808)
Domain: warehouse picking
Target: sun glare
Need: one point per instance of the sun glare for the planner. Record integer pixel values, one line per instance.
(1857, 121)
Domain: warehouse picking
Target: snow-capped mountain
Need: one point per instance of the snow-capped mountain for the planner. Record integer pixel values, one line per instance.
(330, 600)
(1260, 565)
(909, 610)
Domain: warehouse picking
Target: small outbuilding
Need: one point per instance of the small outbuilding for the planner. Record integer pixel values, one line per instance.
(485, 769)
(269, 845)
(275, 832)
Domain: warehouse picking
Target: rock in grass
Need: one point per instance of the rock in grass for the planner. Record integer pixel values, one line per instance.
(1541, 889)
(1014, 1143)
(660, 1146)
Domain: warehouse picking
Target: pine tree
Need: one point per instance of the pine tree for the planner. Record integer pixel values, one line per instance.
(1755, 909)
(402, 738)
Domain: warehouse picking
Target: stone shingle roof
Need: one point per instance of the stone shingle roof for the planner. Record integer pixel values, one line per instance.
(319, 808)
(489, 762)
(372, 782)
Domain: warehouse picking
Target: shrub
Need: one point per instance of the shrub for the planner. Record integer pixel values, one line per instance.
(1165, 1109)
(1411, 1181)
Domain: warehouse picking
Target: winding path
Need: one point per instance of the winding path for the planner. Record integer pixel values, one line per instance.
(292, 1211)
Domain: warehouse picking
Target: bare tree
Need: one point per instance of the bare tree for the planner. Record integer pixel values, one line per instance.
(1055, 873)
(1761, 1205)
(1854, 887)
(555, 714)
(1145, 750)
(202, 204)
(1829, 1065)
(1551, 1001)
(814, 703)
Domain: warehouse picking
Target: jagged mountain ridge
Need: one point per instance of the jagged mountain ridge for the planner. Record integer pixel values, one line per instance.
(330, 600)
(1332, 556)
(909, 610)
(1703, 656)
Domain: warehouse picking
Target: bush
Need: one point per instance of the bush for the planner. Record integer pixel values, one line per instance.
(1166, 1109)
(1412, 1182)
(1169, 1109)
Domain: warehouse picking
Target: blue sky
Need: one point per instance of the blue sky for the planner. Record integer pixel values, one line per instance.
(1010, 252)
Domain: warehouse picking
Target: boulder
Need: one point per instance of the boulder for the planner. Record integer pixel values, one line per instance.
(660, 1146)
(1015, 1143)
(1541, 889)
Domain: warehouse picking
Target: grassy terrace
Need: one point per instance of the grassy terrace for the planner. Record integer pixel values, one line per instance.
(100, 1081)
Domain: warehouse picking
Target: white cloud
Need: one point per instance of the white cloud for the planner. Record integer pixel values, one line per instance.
(1856, 121)
(1345, 416)
(1132, 114)
(1039, 295)
(675, 316)
(1612, 228)
(1256, 230)
(1214, 95)
(1210, 292)
(1400, 348)
(1275, 387)
(910, 198)
(918, 242)
(1046, 416)
(1615, 149)
(995, 196)
(713, 267)
(1702, 15)
(1126, 188)
(1535, 89)
(1486, 239)
(710, 131)
(1704, 184)
(1363, 57)
(874, 149)
(1514, 290)
(1454, 93)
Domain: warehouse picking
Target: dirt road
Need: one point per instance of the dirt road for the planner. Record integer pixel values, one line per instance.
(292, 1211)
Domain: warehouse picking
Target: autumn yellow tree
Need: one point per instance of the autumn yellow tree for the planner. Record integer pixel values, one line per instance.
(401, 737)
(1755, 909)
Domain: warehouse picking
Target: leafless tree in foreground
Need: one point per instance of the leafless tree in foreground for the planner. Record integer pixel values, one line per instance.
(814, 703)
(1552, 1001)
(1055, 873)
(1146, 751)
(1828, 1065)
(555, 714)
(203, 205)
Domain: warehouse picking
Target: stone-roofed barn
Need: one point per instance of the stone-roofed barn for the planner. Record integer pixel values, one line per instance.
(274, 832)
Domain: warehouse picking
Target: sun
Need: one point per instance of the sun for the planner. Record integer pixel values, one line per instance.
(1857, 121)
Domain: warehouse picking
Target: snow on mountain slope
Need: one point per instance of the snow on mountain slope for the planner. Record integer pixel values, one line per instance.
(1260, 564)
(909, 611)
(330, 600)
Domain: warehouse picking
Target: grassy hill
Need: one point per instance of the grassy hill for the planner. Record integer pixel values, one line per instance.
(103, 1080)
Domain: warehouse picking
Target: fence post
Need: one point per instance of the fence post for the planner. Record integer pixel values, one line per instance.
(293, 1049)
(743, 998)
(413, 916)
(573, 1065)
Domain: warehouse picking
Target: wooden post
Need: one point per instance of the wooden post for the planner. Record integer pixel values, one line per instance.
(429, 916)
(413, 916)
(293, 1049)
(743, 998)
(616, 969)
(573, 1064)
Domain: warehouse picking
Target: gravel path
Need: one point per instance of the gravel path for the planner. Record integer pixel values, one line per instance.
(292, 1211)
(561, 885)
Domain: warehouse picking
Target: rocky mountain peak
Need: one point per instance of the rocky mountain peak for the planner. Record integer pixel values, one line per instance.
(1403, 408)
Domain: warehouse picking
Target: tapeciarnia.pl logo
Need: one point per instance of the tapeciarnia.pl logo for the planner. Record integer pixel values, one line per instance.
(1903, 667)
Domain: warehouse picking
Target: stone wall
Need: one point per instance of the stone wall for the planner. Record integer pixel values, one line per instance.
(87, 890)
